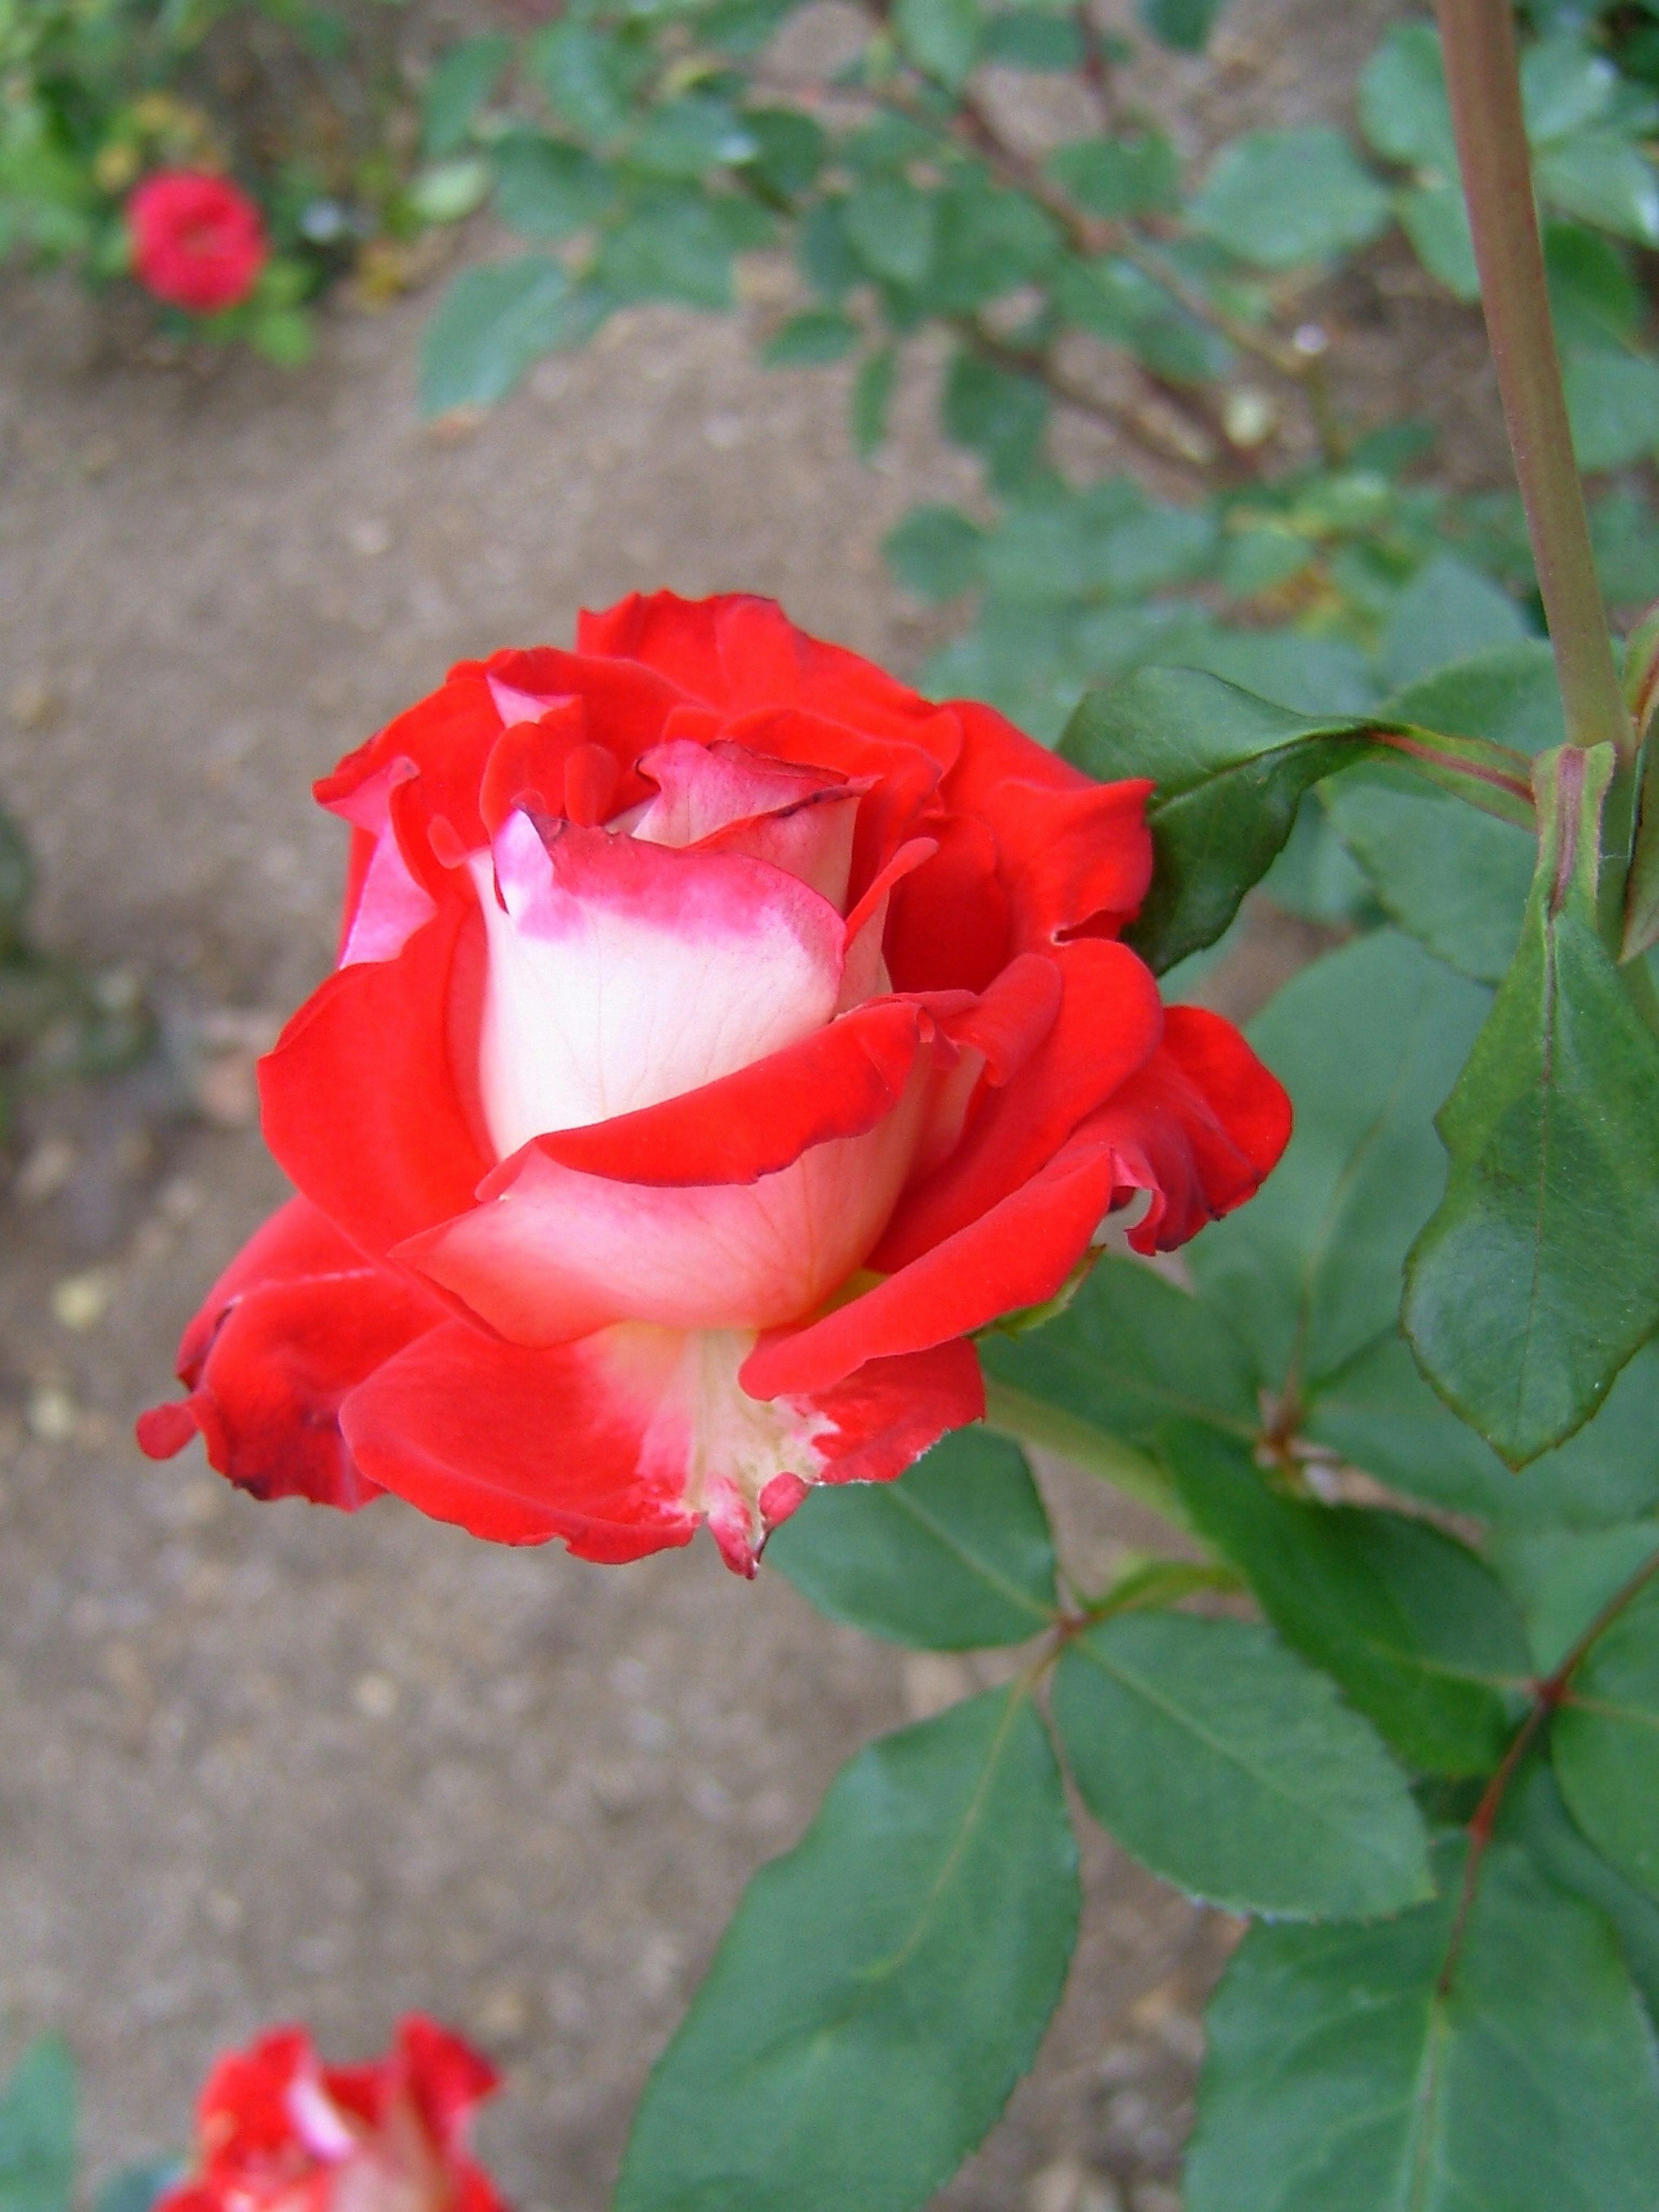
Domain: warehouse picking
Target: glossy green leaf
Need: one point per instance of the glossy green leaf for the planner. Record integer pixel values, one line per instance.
(790, 150)
(1562, 1578)
(1126, 175)
(1404, 108)
(38, 2123)
(1280, 198)
(690, 136)
(547, 189)
(1184, 24)
(493, 323)
(1437, 222)
(1612, 404)
(1536, 1816)
(1595, 299)
(1129, 1353)
(1380, 1414)
(1448, 612)
(1455, 879)
(1507, 693)
(1539, 1275)
(817, 335)
(1368, 1041)
(1564, 85)
(882, 1987)
(1421, 1636)
(1601, 177)
(941, 37)
(1231, 770)
(1606, 1741)
(987, 244)
(1232, 1769)
(1340, 2078)
(465, 76)
(996, 413)
(956, 1555)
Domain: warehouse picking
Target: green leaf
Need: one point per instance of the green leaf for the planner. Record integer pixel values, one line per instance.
(1536, 1816)
(1612, 404)
(935, 553)
(882, 1987)
(1455, 879)
(492, 323)
(1340, 2075)
(1128, 175)
(1564, 86)
(790, 150)
(451, 191)
(1539, 1275)
(673, 248)
(548, 189)
(39, 2124)
(1278, 198)
(997, 414)
(872, 397)
(1183, 24)
(287, 336)
(1404, 108)
(580, 70)
(941, 37)
(1595, 300)
(1368, 1041)
(806, 340)
(689, 137)
(1380, 1415)
(988, 243)
(1437, 222)
(1562, 1579)
(1508, 693)
(1026, 39)
(890, 226)
(1420, 1635)
(1606, 1741)
(1602, 178)
(954, 1556)
(1447, 612)
(1129, 1353)
(457, 87)
(1230, 771)
(1231, 1769)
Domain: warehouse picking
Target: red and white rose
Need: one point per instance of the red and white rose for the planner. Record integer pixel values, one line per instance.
(722, 1034)
(278, 2131)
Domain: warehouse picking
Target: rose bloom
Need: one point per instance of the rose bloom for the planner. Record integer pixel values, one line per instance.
(278, 2131)
(198, 242)
(722, 1034)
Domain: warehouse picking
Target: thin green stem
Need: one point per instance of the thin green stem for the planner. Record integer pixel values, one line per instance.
(1029, 1421)
(1483, 82)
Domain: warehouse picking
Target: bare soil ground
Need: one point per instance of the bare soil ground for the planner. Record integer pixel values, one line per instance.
(259, 1762)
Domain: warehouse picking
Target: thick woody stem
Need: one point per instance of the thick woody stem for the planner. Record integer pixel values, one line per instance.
(1484, 81)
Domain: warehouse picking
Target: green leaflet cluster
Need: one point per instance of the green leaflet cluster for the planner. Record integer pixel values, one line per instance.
(1428, 1767)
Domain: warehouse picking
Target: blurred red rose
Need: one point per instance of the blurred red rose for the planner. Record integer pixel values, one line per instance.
(198, 240)
(278, 2131)
(722, 1034)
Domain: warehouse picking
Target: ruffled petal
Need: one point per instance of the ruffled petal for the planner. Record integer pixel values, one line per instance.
(621, 1444)
(359, 1100)
(1201, 1127)
(555, 1254)
(1108, 1025)
(297, 1320)
(622, 973)
(1017, 1255)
